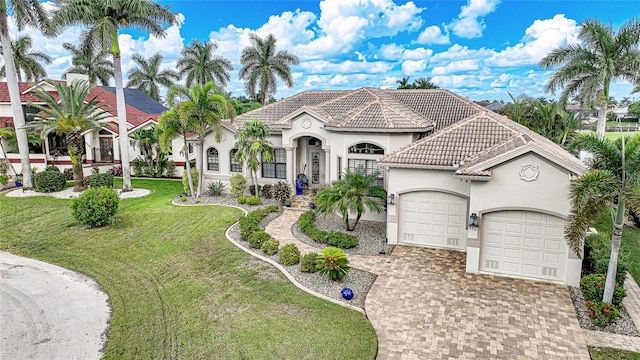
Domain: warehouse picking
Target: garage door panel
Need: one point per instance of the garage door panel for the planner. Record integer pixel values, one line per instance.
(434, 218)
(531, 247)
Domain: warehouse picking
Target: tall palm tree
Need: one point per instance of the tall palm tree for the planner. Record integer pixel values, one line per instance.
(351, 194)
(71, 113)
(206, 108)
(587, 69)
(200, 66)
(613, 180)
(146, 76)
(404, 83)
(103, 20)
(91, 62)
(27, 61)
(261, 64)
(424, 83)
(253, 147)
(26, 13)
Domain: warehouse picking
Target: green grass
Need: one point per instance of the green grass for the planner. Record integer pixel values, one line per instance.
(622, 123)
(630, 248)
(612, 354)
(178, 288)
(616, 134)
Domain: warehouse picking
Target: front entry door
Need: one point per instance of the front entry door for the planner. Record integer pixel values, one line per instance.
(106, 149)
(315, 167)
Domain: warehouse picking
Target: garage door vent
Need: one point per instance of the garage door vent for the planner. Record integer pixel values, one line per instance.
(453, 241)
(407, 237)
(549, 271)
(492, 264)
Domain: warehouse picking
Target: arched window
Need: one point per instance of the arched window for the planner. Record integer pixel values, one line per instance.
(366, 148)
(367, 165)
(213, 161)
(235, 166)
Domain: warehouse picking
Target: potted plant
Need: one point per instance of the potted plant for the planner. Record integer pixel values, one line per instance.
(18, 180)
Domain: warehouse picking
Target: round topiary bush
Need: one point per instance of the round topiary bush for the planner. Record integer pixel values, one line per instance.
(96, 206)
(49, 181)
(270, 247)
(52, 168)
(308, 262)
(257, 238)
(289, 254)
(98, 180)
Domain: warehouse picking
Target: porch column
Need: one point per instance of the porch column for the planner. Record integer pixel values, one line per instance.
(290, 165)
(327, 166)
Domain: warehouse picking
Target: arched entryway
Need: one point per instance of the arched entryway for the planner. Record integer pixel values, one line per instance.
(311, 161)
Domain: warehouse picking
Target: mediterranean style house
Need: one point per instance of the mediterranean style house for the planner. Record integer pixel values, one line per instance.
(459, 176)
(101, 146)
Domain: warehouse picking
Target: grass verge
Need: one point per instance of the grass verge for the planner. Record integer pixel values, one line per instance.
(612, 354)
(178, 288)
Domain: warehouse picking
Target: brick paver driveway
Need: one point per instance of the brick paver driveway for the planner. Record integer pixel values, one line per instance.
(424, 306)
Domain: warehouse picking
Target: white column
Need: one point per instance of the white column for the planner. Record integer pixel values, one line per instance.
(327, 166)
(290, 165)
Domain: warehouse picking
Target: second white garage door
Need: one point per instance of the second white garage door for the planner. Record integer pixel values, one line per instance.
(523, 244)
(433, 219)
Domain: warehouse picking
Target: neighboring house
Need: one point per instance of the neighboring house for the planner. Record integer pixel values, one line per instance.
(444, 161)
(101, 147)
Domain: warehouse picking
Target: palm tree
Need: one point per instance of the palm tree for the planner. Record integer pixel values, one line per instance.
(587, 69)
(147, 75)
(613, 180)
(26, 13)
(86, 60)
(27, 61)
(253, 148)
(7, 133)
(205, 109)
(71, 113)
(146, 140)
(351, 195)
(261, 64)
(404, 83)
(200, 66)
(103, 19)
(422, 83)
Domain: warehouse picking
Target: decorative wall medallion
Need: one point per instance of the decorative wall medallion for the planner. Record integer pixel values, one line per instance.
(223, 137)
(306, 123)
(529, 172)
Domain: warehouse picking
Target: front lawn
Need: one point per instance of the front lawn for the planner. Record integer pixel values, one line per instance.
(616, 134)
(178, 288)
(612, 354)
(630, 248)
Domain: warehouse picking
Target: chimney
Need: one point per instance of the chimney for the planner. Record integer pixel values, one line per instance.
(79, 77)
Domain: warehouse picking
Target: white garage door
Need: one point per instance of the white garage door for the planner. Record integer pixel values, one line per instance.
(433, 219)
(524, 244)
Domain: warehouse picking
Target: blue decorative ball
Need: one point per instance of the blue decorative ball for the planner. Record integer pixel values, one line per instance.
(347, 293)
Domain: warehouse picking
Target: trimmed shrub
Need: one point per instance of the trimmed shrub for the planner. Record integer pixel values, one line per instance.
(332, 262)
(49, 181)
(601, 314)
(98, 180)
(4, 179)
(216, 188)
(257, 238)
(289, 254)
(267, 191)
(68, 173)
(237, 184)
(270, 247)
(592, 287)
(170, 169)
(96, 206)
(115, 171)
(253, 200)
(52, 168)
(338, 239)
(183, 198)
(282, 192)
(600, 267)
(308, 262)
(185, 180)
(249, 223)
(252, 190)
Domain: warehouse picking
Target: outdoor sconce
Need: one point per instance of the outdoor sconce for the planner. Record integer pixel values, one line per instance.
(473, 221)
(392, 199)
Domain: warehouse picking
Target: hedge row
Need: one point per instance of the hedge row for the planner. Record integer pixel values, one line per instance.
(339, 239)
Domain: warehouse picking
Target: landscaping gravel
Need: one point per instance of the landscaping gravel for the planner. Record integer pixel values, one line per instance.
(371, 235)
(225, 199)
(357, 280)
(623, 326)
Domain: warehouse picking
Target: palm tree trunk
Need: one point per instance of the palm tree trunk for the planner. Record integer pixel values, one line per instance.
(14, 95)
(602, 121)
(616, 240)
(74, 142)
(122, 124)
(200, 164)
(4, 153)
(188, 164)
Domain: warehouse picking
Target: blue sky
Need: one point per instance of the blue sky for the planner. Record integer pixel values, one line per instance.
(477, 48)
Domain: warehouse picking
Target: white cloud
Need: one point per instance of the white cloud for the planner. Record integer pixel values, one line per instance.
(470, 21)
(456, 66)
(502, 81)
(540, 38)
(417, 54)
(411, 67)
(433, 35)
(390, 52)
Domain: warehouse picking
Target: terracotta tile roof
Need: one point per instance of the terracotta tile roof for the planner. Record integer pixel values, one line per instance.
(6, 121)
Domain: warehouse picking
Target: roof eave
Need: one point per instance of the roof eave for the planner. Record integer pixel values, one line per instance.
(375, 130)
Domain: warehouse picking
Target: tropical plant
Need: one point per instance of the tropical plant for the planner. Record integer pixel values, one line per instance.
(71, 113)
(25, 13)
(253, 147)
(204, 109)
(404, 83)
(613, 180)
(282, 192)
(27, 61)
(238, 185)
(351, 195)
(332, 262)
(172, 124)
(7, 133)
(261, 64)
(103, 20)
(289, 254)
(146, 76)
(153, 160)
(216, 188)
(200, 66)
(89, 61)
(424, 83)
(587, 69)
